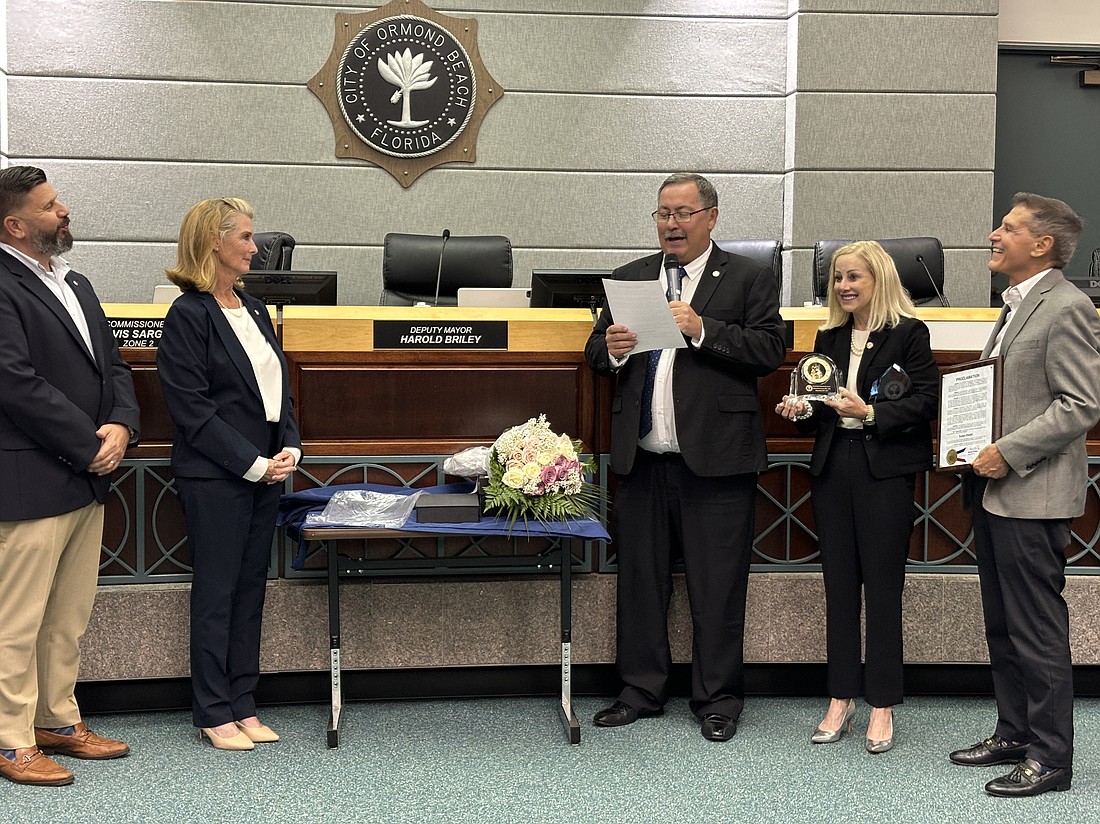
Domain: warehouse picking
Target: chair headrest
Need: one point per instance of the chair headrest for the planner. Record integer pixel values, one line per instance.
(274, 251)
(767, 252)
(911, 257)
(410, 265)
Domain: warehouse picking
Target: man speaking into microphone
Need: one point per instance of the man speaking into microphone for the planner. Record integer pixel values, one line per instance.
(687, 442)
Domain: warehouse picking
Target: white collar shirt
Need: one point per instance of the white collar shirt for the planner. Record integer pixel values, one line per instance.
(662, 438)
(1014, 296)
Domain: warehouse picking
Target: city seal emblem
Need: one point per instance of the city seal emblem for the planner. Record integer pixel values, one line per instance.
(405, 90)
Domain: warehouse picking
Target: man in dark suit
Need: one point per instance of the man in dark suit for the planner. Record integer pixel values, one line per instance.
(67, 414)
(687, 442)
(1029, 484)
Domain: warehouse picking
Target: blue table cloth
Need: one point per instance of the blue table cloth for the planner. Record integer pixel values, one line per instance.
(294, 507)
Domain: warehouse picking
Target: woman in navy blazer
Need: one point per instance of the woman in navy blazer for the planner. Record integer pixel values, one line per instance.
(865, 459)
(226, 386)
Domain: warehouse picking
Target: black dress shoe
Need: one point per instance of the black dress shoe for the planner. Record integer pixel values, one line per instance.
(620, 714)
(994, 750)
(718, 727)
(1031, 778)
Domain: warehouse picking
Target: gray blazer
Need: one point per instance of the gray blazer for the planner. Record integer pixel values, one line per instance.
(1051, 383)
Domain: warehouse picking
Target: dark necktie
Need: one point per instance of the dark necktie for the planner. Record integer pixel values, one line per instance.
(645, 423)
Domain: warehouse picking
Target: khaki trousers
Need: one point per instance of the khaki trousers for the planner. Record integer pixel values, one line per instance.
(48, 575)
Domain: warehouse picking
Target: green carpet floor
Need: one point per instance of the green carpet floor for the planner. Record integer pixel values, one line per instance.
(506, 760)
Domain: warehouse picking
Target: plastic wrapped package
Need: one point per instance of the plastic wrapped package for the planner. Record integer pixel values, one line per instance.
(469, 463)
(358, 507)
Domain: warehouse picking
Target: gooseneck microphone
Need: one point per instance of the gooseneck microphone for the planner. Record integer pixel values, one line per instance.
(939, 294)
(439, 272)
(672, 277)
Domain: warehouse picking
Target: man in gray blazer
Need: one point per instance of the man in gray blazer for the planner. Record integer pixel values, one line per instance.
(1030, 483)
(67, 413)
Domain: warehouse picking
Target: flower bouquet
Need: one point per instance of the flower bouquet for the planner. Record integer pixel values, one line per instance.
(534, 473)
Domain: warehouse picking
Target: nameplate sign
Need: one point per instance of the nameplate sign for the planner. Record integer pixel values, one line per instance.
(137, 333)
(449, 334)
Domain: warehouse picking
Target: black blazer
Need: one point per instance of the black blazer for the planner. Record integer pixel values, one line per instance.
(54, 395)
(900, 442)
(211, 390)
(718, 420)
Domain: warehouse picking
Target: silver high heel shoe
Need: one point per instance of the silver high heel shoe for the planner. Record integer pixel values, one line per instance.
(875, 747)
(823, 736)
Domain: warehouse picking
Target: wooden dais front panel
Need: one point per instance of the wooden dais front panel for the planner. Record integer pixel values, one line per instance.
(424, 403)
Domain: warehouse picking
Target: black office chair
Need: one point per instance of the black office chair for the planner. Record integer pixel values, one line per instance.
(274, 251)
(410, 264)
(919, 261)
(767, 252)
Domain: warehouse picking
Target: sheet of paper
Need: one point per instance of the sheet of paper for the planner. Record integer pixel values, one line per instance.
(640, 306)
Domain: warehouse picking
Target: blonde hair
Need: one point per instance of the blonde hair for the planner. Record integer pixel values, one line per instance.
(889, 302)
(206, 224)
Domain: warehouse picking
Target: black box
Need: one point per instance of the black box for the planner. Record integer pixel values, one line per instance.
(448, 508)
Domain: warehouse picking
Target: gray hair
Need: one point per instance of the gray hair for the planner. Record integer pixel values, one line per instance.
(1053, 217)
(708, 196)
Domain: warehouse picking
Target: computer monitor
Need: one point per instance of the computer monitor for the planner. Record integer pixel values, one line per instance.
(166, 292)
(280, 288)
(568, 288)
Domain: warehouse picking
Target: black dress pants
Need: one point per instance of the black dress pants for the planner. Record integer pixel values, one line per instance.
(1021, 566)
(863, 525)
(662, 507)
(230, 524)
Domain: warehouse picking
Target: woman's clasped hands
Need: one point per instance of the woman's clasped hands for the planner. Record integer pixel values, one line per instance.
(279, 468)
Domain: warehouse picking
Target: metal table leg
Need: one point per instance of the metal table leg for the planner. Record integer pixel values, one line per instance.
(568, 718)
(334, 643)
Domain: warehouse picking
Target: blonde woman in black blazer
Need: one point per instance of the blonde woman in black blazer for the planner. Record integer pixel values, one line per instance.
(225, 383)
(871, 441)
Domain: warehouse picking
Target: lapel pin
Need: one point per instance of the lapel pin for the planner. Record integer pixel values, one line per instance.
(715, 273)
(870, 344)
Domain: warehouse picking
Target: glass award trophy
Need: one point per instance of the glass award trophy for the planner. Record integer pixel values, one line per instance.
(816, 378)
(893, 385)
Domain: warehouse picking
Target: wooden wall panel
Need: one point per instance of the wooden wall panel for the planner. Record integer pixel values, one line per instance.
(420, 406)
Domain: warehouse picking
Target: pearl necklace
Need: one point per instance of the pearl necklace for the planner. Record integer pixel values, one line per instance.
(858, 350)
(234, 312)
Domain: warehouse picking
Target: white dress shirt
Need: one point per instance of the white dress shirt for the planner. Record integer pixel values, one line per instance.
(662, 438)
(1014, 296)
(859, 343)
(269, 376)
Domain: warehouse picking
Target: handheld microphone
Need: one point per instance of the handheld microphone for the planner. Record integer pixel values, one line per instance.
(439, 272)
(939, 294)
(672, 277)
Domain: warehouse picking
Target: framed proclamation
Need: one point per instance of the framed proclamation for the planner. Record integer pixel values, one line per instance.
(970, 412)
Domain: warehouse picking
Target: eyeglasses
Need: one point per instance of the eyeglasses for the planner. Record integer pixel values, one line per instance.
(680, 217)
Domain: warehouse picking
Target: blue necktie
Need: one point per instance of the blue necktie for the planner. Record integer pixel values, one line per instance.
(645, 423)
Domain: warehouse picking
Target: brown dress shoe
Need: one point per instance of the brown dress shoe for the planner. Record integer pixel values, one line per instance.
(83, 743)
(32, 767)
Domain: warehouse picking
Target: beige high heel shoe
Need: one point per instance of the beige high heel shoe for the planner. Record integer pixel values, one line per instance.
(823, 736)
(258, 735)
(875, 747)
(240, 741)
